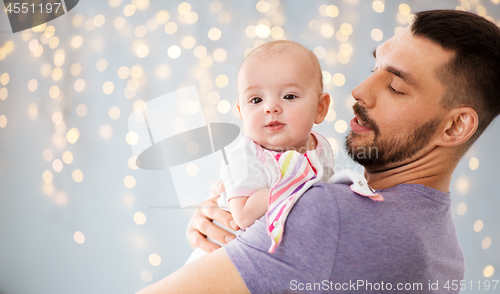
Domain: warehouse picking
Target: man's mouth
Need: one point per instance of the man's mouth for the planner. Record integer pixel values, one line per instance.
(360, 122)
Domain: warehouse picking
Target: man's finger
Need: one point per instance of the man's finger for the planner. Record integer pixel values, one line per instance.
(216, 213)
(201, 242)
(209, 229)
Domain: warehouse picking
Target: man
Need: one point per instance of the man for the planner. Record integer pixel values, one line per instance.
(433, 91)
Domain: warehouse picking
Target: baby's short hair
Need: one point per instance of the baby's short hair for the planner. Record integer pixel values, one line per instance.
(283, 46)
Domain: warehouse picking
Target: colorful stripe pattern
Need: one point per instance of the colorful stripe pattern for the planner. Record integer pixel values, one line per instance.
(296, 176)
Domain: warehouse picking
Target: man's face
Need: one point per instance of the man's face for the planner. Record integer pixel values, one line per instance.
(398, 107)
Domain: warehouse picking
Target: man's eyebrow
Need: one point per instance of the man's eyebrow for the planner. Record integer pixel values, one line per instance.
(405, 76)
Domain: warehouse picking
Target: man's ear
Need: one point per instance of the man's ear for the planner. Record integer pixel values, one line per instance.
(323, 106)
(461, 125)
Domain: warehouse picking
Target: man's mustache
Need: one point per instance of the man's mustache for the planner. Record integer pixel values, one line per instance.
(362, 114)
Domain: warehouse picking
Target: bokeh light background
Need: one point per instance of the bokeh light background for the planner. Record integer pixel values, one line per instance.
(77, 216)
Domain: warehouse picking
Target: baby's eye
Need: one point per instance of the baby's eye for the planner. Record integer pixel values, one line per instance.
(255, 100)
(289, 97)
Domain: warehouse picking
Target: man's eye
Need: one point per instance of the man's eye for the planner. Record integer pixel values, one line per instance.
(395, 91)
(289, 97)
(255, 100)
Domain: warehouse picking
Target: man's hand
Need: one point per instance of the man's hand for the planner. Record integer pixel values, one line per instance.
(201, 224)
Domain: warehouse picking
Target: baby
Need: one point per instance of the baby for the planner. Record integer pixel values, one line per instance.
(280, 98)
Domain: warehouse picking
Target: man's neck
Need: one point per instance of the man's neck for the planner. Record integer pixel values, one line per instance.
(434, 170)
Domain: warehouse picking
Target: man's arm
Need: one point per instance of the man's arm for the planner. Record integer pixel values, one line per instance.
(213, 273)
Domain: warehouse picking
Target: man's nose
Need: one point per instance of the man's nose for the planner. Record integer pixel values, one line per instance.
(365, 93)
(273, 107)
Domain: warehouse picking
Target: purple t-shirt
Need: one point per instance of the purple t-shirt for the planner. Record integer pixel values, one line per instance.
(338, 241)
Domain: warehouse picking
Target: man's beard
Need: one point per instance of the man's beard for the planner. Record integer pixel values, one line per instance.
(381, 153)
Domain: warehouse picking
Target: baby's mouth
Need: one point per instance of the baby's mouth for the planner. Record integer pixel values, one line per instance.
(275, 126)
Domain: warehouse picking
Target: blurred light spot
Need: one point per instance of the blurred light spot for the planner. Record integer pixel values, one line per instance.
(75, 69)
(378, 6)
(338, 79)
(136, 71)
(327, 77)
(132, 163)
(106, 131)
(129, 182)
(128, 200)
(72, 135)
(33, 44)
(462, 185)
(346, 29)
(221, 81)
(188, 42)
(140, 31)
(67, 157)
(114, 3)
(142, 51)
(278, 19)
(262, 31)
(119, 23)
(410, 18)
(481, 11)
(32, 85)
(486, 243)
(224, 106)
(478, 225)
(213, 97)
(184, 8)
(262, 6)
(57, 117)
(48, 155)
(76, 41)
(473, 163)
(214, 34)
(340, 126)
(461, 208)
(102, 64)
(46, 70)
(320, 52)
(141, 4)
(200, 51)
(334, 144)
(132, 138)
(216, 6)
(139, 218)
(39, 28)
(4, 79)
(47, 176)
(220, 55)
(57, 138)
(114, 112)
(129, 10)
(79, 237)
(193, 106)
(57, 74)
(99, 20)
(404, 9)
(32, 111)
(61, 199)
(54, 92)
(154, 259)
(57, 165)
(4, 93)
(488, 271)
(48, 189)
(77, 20)
(123, 72)
(377, 34)
(346, 49)
(79, 85)
(192, 169)
(81, 110)
(341, 36)
(129, 94)
(162, 16)
(54, 42)
(331, 115)
(174, 51)
(163, 72)
(250, 32)
(191, 17)
(108, 87)
(343, 58)
(224, 17)
(332, 11)
(146, 276)
(277, 33)
(170, 28)
(192, 148)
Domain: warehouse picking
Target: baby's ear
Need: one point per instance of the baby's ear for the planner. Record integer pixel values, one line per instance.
(239, 110)
(323, 107)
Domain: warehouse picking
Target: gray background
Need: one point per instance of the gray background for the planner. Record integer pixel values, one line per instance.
(38, 253)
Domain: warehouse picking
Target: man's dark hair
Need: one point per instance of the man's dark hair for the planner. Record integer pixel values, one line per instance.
(472, 77)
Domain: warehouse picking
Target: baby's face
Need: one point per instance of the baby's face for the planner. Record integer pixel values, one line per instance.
(278, 99)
